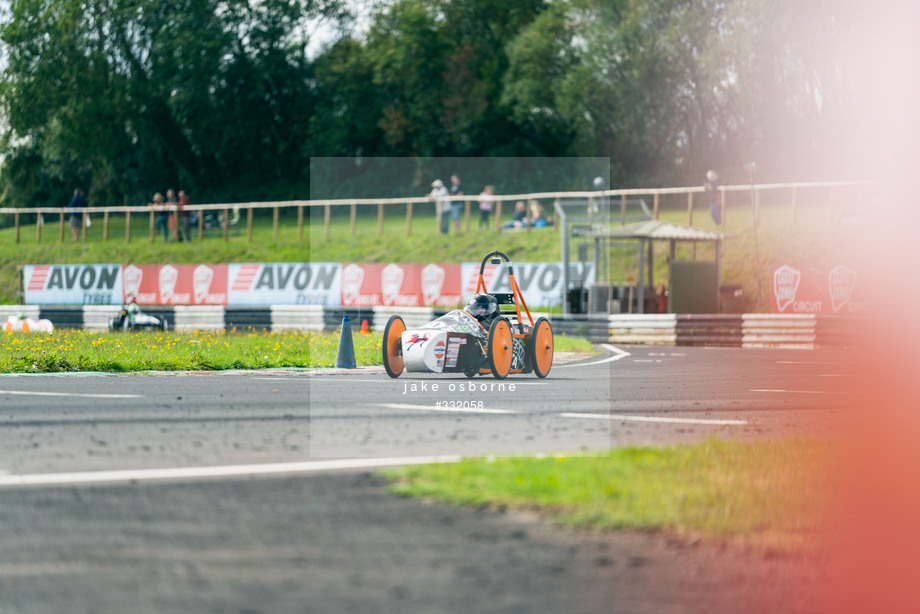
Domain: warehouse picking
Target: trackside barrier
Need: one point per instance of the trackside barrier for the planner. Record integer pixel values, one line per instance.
(412, 316)
(96, 317)
(201, 317)
(29, 311)
(777, 330)
(645, 329)
(731, 330)
(297, 317)
(595, 328)
(798, 331)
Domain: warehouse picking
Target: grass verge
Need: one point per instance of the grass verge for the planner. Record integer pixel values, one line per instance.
(771, 494)
(75, 350)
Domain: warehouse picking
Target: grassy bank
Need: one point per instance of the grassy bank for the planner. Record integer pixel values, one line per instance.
(71, 350)
(807, 234)
(773, 494)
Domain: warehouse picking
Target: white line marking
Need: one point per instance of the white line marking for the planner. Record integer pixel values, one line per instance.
(625, 418)
(617, 355)
(803, 391)
(808, 362)
(184, 473)
(28, 393)
(454, 410)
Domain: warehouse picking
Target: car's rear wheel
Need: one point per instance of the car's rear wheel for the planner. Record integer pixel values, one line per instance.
(540, 347)
(392, 346)
(501, 349)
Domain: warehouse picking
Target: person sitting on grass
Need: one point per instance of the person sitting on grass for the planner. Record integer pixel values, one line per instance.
(520, 217)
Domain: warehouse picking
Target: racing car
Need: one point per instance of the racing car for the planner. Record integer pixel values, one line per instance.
(132, 318)
(479, 339)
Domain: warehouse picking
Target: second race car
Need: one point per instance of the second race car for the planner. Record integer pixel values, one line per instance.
(132, 318)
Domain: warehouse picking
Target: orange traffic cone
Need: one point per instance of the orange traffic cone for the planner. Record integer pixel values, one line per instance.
(364, 328)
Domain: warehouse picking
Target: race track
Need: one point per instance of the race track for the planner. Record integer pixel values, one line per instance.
(257, 492)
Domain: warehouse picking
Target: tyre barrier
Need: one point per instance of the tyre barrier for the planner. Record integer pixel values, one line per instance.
(729, 330)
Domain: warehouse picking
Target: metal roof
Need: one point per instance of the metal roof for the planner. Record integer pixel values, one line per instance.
(655, 229)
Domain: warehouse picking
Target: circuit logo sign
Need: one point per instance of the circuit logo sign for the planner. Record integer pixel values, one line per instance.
(168, 277)
(817, 290)
(201, 282)
(401, 285)
(391, 280)
(841, 281)
(432, 283)
(132, 280)
(352, 278)
(181, 284)
(785, 286)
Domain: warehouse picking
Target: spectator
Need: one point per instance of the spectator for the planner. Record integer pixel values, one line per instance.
(712, 189)
(185, 216)
(162, 218)
(456, 206)
(537, 218)
(486, 200)
(438, 192)
(172, 204)
(520, 217)
(76, 217)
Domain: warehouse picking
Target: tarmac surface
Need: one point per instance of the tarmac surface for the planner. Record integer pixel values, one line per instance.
(221, 492)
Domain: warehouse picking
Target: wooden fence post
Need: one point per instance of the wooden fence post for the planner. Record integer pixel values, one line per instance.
(38, 227)
(354, 219)
(622, 209)
(300, 222)
(127, 227)
(226, 224)
(690, 211)
(379, 219)
(327, 220)
(657, 202)
(152, 231)
(466, 217)
(498, 215)
(16, 222)
(249, 224)
(105, 226)
(408, 219)
(201, 225)
(61, 229)
(276, 222)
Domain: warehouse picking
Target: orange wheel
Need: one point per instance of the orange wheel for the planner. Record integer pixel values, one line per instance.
(392, 346)
(500, 348)
(541, 347)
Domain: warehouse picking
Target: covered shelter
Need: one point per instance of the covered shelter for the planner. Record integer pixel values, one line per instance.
(694, 285)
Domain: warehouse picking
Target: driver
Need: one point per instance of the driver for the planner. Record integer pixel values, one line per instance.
(484, 308)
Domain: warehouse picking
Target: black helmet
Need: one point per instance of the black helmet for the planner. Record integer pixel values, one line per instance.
(483, 307)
